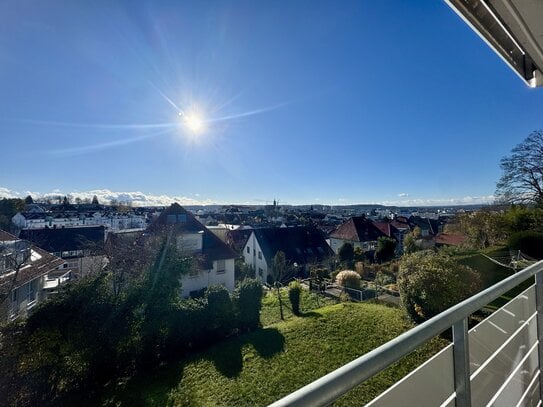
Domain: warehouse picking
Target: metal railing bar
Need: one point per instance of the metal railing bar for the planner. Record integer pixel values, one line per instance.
(502, 346)
(462, 384)
(521, 400)
(539, 311)
(510, 377)
(449, 399)
(333, 385)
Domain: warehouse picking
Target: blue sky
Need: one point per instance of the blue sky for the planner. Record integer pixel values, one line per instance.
(318, 102)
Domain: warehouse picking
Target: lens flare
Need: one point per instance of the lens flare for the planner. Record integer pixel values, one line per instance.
(193, 121)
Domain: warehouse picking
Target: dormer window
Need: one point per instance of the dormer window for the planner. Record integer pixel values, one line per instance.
(190, 242)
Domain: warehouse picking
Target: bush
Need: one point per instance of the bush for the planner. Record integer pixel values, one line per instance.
(219, 311)
(360, 268)
(294, 292)
(528, 242)
(242, 270)
(346, 253)
(385, 249)
(249, 303)
(383, 278)
(190, 327)
(359, 254)
(319, 272)
(431, 282)
(348, 278)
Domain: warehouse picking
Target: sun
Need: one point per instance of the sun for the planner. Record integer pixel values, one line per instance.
(193, 122)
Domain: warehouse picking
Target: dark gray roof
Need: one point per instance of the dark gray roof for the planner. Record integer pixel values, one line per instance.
(300, 244)
(182, 221)
(56, 240)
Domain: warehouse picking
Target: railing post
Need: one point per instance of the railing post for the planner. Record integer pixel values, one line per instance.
(462, 383)
(539, 317)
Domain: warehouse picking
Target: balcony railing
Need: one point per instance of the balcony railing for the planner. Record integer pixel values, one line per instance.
(497, 362)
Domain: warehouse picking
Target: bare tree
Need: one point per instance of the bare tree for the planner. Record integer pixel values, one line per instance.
(129, 256)
(522, 178)
(13, 256)
(279, 269)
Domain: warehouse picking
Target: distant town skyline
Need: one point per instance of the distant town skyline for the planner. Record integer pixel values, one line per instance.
(138, 198)
(396, 103)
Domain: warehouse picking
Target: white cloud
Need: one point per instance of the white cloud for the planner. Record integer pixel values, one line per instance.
(136, 198)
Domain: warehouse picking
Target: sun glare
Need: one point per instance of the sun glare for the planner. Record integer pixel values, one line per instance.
(193, 122)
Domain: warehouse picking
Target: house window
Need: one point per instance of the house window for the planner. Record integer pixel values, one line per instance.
(260, 272)
(260, 255)
(14, 295)
(182, 218)
(220, 267)
(31, 294)
(171, 219)
(248, 249)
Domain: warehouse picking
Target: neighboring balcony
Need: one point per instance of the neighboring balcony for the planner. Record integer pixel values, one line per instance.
(496, 363)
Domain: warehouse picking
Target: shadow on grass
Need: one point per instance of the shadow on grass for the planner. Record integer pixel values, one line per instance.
(152, 388)
(149, 388)
(228, 359)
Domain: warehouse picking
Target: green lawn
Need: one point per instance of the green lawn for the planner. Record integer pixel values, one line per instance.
(257, 368)
(270, 313)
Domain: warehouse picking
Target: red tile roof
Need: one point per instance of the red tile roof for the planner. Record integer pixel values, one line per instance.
(448, 239)
(357, 229)
(384, 227)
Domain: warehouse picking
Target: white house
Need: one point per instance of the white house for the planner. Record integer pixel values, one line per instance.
(215, 260)
(112, 220)
(303, 246)
(358, 231)
(28, 274)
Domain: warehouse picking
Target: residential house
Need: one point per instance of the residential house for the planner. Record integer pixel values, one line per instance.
(428, 227)
(302, 245)
(28, 274)
(81, 247)
(74, 218)
(215, 258)
(447, 239)
(401, 228)
(359, 232)
(236, 238)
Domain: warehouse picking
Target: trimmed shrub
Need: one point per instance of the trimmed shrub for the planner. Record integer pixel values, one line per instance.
(294, 293)
(346, 255)
(190, 328)
(348, 278)
(249, 303)
(219, 310)
(528, 242)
